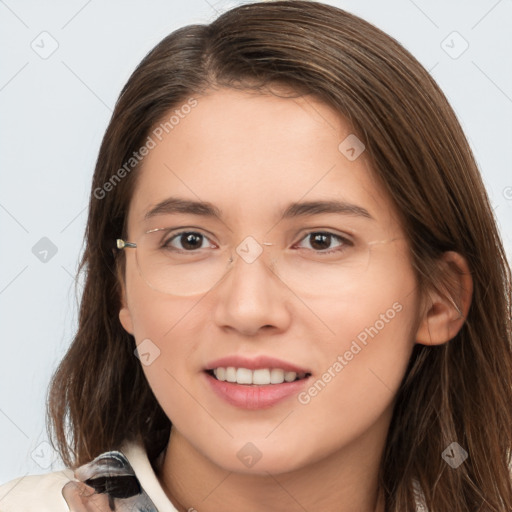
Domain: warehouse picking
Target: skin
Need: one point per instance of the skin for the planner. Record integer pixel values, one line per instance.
(252, 154)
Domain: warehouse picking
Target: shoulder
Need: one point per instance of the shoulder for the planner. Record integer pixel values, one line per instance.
(41, 493)
(111, 479)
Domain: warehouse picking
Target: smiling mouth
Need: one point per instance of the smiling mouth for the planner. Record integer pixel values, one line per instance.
(259, 377)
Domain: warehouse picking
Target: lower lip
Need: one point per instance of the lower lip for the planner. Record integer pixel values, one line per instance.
(254, 396)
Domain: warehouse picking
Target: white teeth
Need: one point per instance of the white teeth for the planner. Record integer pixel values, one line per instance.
(261, 377)
(289, 376)
(276, 376)
(231, 374)
(243, 376)
(220, 373)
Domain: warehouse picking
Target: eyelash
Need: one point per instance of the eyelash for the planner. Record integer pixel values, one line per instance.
(345, 241)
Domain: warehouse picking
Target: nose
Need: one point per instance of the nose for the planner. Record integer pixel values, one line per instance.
(251, 297)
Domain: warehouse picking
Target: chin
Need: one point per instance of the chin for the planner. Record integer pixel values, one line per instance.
(250, 460)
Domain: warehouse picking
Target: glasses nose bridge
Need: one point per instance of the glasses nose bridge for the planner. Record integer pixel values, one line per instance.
(251, 253)
(250, 250)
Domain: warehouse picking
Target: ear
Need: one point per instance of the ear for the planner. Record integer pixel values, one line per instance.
(443, 316)
(125, 317)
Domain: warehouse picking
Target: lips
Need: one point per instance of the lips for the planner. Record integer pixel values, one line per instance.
(254, 397)
(244, 395)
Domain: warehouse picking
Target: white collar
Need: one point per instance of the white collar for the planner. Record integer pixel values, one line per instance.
(138, 459)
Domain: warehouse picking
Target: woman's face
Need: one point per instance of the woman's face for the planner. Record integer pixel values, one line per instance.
(347, 318)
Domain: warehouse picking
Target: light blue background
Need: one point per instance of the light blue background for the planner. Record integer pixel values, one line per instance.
(53, 115)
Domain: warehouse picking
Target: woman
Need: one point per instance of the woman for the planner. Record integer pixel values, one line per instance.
(296, 294)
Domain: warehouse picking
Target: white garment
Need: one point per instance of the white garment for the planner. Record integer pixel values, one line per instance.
(43, 493)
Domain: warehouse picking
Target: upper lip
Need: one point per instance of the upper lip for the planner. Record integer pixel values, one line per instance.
(255, 363)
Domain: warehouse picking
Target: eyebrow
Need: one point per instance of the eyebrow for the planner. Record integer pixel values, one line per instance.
(174, 205)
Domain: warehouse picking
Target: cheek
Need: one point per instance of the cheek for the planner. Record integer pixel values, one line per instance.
(169, 324)
(371, 347)
(161, 318)
(381, 305)
(163, 331)
(162, 326)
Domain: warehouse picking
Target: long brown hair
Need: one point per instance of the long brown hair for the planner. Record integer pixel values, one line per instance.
(459, 391)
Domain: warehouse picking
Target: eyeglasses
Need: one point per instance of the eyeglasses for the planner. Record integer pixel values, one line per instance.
(187, 262)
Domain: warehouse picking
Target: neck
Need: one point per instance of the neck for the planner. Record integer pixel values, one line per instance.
(345, 481)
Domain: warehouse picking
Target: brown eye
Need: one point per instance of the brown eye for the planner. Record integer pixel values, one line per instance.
(321, 242)
(186, 240)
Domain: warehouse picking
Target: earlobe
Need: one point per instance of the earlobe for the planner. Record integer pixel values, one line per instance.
(125, 316)
(444, 316)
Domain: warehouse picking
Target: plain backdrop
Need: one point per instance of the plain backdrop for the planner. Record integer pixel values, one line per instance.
(63, 64)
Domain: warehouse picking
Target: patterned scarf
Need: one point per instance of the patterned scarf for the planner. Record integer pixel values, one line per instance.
(107, 484)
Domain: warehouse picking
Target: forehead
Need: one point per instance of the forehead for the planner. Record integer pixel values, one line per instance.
(252, 154)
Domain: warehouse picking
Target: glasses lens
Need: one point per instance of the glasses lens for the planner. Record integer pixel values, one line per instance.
(182, 265)
(199, 268)
(312, 274)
